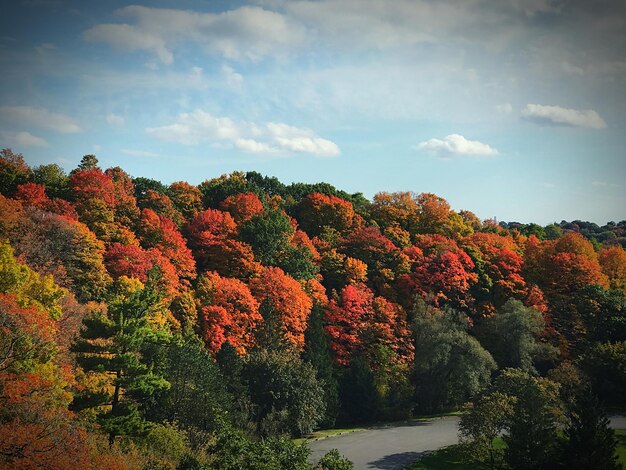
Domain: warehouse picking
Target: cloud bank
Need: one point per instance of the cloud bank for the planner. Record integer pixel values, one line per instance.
(39, 117)
(200, 127)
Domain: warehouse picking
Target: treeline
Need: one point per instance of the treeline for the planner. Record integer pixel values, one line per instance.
(178, 326)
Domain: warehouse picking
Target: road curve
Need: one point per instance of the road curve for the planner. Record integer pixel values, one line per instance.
(391, 447)
(395, 447)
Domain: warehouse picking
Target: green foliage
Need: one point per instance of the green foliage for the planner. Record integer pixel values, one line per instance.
(233, 451)
(317, 353)
(287, 396)
(510, 335)
(53, 178)
(268, 234)
(605, 364)
(116, 344)
(193, 378)
(482, 421)
(531, 436)
(333, 460)
(590, 442)
(450, 365)
(357, 393)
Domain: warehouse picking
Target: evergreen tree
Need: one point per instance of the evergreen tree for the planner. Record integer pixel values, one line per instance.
(590, 441)
(115, 344)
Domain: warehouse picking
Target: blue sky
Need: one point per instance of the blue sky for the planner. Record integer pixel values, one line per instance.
(509, 108)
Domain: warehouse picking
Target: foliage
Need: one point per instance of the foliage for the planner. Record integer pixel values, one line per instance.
(333, 460)
(450, 365)
(287, 396)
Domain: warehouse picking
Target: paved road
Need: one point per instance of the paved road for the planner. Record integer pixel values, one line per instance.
(390, 448)
(394, 447)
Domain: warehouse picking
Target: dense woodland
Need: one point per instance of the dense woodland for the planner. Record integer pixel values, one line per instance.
(157, 326)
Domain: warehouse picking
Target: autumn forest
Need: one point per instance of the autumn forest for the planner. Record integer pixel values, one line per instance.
(170, 326)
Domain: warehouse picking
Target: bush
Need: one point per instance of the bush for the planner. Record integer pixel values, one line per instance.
(334, 461)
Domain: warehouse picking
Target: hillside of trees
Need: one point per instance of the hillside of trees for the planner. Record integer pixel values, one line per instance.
(153, 326)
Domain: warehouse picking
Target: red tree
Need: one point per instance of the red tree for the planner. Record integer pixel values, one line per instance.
(242, 206)
(228, 312)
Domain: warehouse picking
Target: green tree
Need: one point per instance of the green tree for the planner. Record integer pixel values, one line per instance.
(450, 365)
(115, 344)
(317, 353)
(268, 234)
(531, 436)
(53, 178)
(287, 395)
(511, 335)
(482, 421)
(590, 442)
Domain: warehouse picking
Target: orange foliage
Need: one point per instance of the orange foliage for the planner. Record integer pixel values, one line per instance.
(318, 210)
(613, 264)
(161, 233)
(287, 298)
(186, 198)
(242, 206)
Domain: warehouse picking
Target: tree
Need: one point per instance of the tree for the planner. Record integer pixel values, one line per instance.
(227, 312)
(53, 178)
(511, 335)
(613, 264)
(590, 442)
(242, 206)
(194, 378)
(284, 297)
(186, 198)
(531, 435)
(65, 248)
(482, 421)
(318, 210)
(209, 236)
(286, 392)
(268, 234)
(115, 343)
(450, 365)
(13, 171)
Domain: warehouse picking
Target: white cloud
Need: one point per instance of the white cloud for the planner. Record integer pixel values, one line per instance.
(201, 127)
(455, 145)
(39, 117)
(115, 120)
(140, 153)
(555, 115)
(26, 139)
(243, 33)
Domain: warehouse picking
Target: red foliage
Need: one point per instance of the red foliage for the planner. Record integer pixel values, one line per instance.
(208, 235)
(134, 261)
(62, 207)
(444, 272)
(289, 301)
(228, 312)
(161, 233)
(93, 184)
(242, 206)
(32, 194)
(358, 321)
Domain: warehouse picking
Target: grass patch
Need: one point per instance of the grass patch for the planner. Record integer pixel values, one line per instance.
(324, 433)
(620, 434)
(448, 458)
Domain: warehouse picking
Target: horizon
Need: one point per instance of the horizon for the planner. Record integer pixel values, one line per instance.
(514, 110)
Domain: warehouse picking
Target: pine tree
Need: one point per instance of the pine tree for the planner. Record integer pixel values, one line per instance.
(590, 441)
(115, 344)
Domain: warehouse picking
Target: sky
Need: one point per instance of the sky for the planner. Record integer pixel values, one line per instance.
(514, 109)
